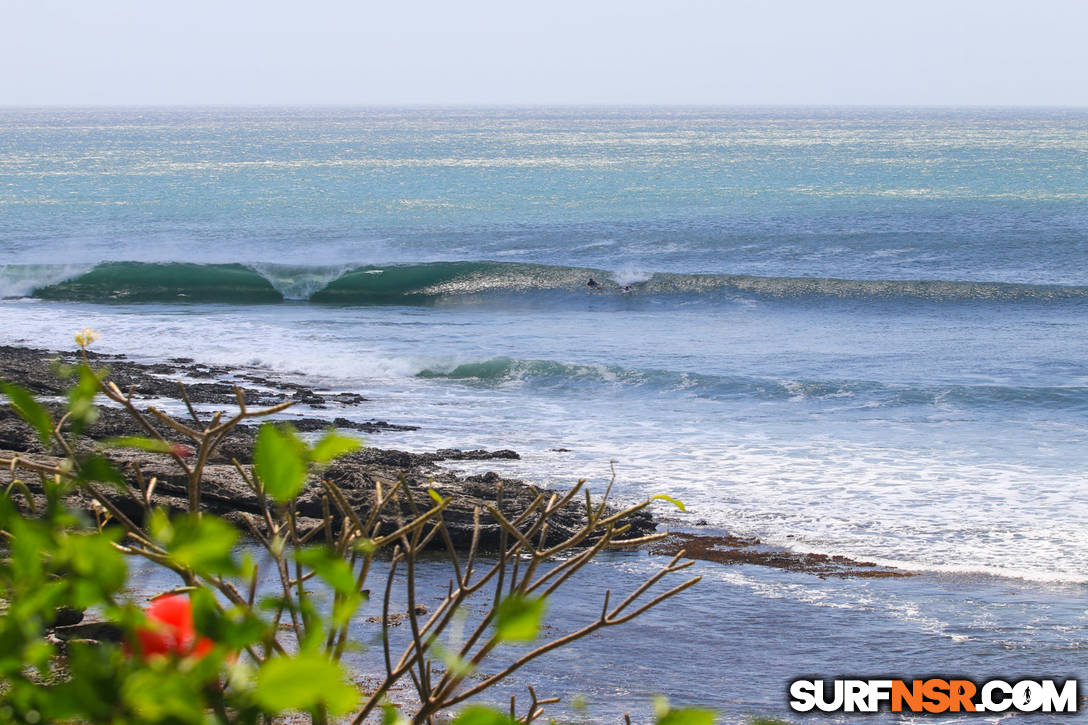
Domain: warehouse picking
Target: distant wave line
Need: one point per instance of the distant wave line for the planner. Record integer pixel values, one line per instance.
(430, 282)
(862, 393)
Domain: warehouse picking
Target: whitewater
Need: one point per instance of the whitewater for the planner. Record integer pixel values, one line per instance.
(845, 331)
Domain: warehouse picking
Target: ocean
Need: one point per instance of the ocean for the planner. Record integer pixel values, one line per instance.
(851, 331)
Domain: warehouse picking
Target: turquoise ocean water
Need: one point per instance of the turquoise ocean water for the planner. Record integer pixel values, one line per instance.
(845, 331)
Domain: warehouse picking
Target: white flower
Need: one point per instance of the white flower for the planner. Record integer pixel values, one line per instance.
(85, 337)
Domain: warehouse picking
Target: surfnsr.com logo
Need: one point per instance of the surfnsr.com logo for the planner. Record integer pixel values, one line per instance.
(933, 695)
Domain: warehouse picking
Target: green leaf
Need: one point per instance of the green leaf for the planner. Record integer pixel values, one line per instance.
(248, 568)
(304, 682)
(518, 618)
(233, 628)
(158, 697)
(364, 546)
(97, 468)
(144, 444)
(333, 445)
(675, 502)
(94, 560)
(202, 544)
(93, 691)
(391, 715)
(344, 609)
(665, 715)
(29, 540)
(455, 664)
(271, 604)
(24, 405)
(480, 715)
(437, 497)
(280, 460)
(81, 399)
(687, 716)
(329, 566)
(22, 488)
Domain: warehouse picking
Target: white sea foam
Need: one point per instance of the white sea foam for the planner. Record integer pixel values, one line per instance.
(298, 282)
(20, 280)
(630, 274)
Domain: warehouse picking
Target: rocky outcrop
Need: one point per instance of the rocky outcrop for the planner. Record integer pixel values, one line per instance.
(749, 550)
(224, 491)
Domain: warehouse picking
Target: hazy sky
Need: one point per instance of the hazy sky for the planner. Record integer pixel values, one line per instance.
(958, 52)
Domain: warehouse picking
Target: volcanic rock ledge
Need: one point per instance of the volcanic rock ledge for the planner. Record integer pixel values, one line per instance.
(224, 491)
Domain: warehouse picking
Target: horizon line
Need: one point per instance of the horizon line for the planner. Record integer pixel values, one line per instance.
(539, 105)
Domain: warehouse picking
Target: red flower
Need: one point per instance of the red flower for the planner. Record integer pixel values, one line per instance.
(171, 630)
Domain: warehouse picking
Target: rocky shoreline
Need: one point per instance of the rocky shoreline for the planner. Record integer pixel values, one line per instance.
(226, 494)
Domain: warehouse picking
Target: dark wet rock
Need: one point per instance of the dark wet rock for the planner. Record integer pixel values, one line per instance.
(237, 445)
(36, 370)
(348, 398)
(453, 454)
(374, 426)
(308, 397)
(390, 457)
(15, 435)
(67, 616)
(309, 425)
(33, 369)
(89, 631)
(403, 459)
(729, 549)
(136, 382)
(395, 620)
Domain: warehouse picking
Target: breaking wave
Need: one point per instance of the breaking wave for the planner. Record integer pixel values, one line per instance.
(554, 374)
(433, 282)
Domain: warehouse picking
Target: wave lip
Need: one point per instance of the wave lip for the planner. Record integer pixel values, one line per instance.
(432, 282)
(299, 282)
(21, 280)
(499, 370)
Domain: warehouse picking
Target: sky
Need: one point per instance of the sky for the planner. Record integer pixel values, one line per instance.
(445, 52)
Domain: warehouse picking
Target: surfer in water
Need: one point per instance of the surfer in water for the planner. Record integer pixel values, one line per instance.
(592, 283)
